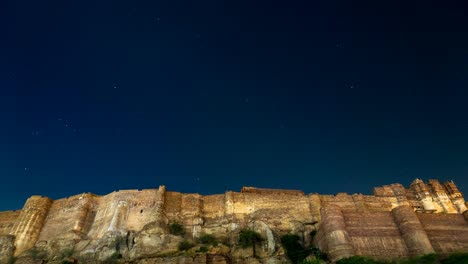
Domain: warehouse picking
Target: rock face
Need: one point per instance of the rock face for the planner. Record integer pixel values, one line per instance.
(133, 226)
(7, 248)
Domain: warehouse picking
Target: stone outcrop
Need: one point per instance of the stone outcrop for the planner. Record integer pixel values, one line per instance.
(133, 225)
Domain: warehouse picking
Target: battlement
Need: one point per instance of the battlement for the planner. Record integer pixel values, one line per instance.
(266, 191)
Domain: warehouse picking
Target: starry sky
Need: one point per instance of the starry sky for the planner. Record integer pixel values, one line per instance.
(209, 96)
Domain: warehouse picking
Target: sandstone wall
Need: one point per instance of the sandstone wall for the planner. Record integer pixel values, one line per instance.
(276, 209)
(30, 222)
(375, 234)
(67, 217)
(447, 232)
(7, 221)
(386, 225)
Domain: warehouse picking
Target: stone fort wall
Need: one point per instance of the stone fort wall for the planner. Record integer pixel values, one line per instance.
(394, 222)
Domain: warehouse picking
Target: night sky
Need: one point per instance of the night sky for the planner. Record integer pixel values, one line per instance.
(209, 96)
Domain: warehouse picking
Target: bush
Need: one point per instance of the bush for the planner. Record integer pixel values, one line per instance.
(318, 254)
(36, 254)
(294, 250)
(11, 260)
(312, 261)
(456, 258)
(357, 260)
(424, 259)
(185, 245)
(114, 258)
(207, 239)
(248, 238)
(176, 229)
(66, 253)
(203, 249)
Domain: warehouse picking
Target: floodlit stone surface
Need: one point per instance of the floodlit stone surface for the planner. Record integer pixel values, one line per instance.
(133, 225)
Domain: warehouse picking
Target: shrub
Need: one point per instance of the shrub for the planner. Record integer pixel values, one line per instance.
(456, 258)
(66, 253)
(176, 229)
(248, 238)
(424, 259)
(114, 258)
(357, 260)
(203, 249)
(294, 250)
(207, 239)
(11, 260)
(36, 254)
(311, 261)
(318, 254)
(185, 245)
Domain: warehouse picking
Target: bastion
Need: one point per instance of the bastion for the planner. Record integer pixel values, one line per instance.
(394, 222)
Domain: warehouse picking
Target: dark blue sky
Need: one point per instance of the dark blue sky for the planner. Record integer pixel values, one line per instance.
(204, 96)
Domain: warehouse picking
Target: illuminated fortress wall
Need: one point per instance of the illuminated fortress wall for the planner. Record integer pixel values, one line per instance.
(393, 222)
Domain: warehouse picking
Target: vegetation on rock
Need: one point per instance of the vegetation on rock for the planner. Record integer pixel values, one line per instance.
(294, 250)
(176, 229)
(11, 260)
(185, 245)
(456, 258)
(36, 254)
(203, 249)
(248, 238)
(208, 239)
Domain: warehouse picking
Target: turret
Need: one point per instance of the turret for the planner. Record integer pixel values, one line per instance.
(422, 193)
(412, 231)
(456, 196)
(336, 240)
(30, 222)
(441, 196)
(81, 225)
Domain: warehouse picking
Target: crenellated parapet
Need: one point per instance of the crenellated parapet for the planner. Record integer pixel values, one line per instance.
(30, 222)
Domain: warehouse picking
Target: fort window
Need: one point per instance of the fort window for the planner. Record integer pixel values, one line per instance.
(141, 211)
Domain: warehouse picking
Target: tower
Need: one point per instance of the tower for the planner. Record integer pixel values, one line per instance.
(30, 221)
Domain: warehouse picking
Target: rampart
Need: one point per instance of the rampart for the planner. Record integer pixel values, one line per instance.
(393, 222)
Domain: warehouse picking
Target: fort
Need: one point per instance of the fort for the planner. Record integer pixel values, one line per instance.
(394, 222)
